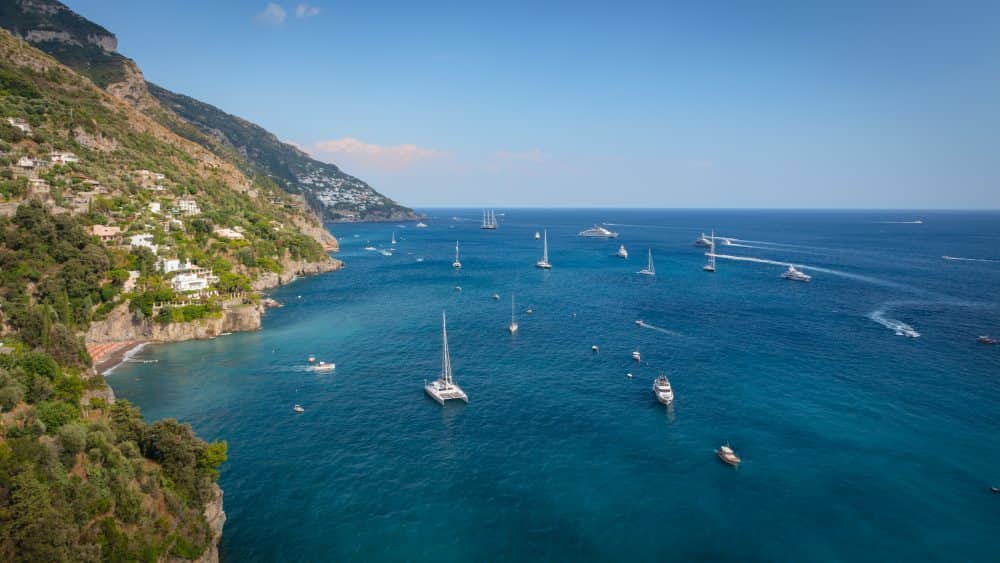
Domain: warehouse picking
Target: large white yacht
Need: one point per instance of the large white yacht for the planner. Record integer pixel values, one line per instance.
(598, 231)
(649, 270)
(663, 391)
(456, 264)
(543, 262)
(795, 275)
(703, 241)
(444, 388)
(622, 253)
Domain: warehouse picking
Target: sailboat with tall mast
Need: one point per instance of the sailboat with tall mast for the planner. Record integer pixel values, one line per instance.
(710, 267)
(393, 237)
(444, 388)
(489, 220)
(543, 263)
(456, 264)
(513, 318)
(649, 270)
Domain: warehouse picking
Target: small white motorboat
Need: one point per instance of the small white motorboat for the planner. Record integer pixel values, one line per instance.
(421, 225)
(728, 456)
(298, 408)
(595, 348)
(325, 366)
(622, 253)
(795, 275)
(636, 356)
(538, 235)
(496, 297)
(629, 375)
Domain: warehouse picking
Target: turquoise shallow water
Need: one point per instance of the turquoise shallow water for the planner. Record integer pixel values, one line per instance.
(858, 444)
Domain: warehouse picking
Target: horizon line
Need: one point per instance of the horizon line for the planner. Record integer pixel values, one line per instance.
(619, 208)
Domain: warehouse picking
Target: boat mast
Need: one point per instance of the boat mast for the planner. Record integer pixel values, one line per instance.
(456, 251)
(711, 252)
(545, 247)
(649, 265)
(445, 356)
(512, 319)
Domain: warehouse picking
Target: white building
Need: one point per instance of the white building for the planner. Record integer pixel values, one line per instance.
(188, 206)
(26, 162)
(172, 265)
(154, 206)
(60, 157)
(192, 281)
(20, 124)
(227, 233)
(144, 240)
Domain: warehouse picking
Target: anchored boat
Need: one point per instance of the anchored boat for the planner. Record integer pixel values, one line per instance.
(444, 388)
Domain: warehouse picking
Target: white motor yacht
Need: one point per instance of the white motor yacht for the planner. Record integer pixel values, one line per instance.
(795, 275)
(444, 388)
(663, 391)
(703, 241)
(622, 253)
(728, 456)
(298, 408)
(324, 366)
(636, 356)
(598, 231)
(421, 225)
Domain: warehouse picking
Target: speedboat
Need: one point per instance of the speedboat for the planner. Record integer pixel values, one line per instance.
(594, 348)
(636, 356)
(795, 275)
(726, 241)
(986, 340)
(622, 253)
(371, 248)
(995, 489)
(629, 375)
(598, 231)
(727, 455)
(530, 311)
(386, 252)
(325, 366)
(298, 408)
(496, 297)
(640, 322)
(703, 241)
(663, 391)
(538, 235)
(421, 225)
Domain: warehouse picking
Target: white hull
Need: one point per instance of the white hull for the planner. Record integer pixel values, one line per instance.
(440, 392)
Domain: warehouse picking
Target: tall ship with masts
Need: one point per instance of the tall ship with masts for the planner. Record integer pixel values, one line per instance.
(489, 220)
(710, 267)
(444, 388)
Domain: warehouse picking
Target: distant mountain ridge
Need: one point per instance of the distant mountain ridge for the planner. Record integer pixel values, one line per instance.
(339, 196)
(90, 49)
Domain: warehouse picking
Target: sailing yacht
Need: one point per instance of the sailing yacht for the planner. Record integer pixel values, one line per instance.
(795, 275)
(703, 241)
(444, 388)
(710, 267)
(513, 320)
(622, 253)
(394, 237)
(649, 270)
(663, 391)
(456, 264)
(543, 263)
(489, 220)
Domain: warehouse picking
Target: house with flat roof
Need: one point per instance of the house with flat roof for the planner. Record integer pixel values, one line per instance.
(106, 233)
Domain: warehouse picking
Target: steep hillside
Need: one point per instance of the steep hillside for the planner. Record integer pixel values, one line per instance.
(340, 196)
(91, 50)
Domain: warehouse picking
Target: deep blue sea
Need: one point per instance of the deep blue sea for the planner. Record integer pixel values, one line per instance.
(858, 444)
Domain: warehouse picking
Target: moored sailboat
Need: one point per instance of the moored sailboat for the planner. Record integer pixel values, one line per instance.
(512, 327)
(649, 270)
(456, 264)
(543, 263)
(710, 267)
(444, 388)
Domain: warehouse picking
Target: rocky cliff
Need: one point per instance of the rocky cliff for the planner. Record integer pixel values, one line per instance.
(122, 325)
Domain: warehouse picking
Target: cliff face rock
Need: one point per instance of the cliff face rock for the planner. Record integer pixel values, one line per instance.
(216, 518)
(294, 269)
(122, 325)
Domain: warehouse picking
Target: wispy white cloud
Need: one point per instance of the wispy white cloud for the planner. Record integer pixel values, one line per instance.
(533, 156)
(272, 14)
(385, 157)
(306, 10)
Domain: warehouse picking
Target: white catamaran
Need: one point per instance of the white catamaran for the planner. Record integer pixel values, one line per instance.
(456, 264)
(710, 267)
(543, 263)
(444, 388)
(489, 220)
(513, 319)
(649, 270)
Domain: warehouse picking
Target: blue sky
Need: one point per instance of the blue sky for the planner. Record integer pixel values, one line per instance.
(624, 104)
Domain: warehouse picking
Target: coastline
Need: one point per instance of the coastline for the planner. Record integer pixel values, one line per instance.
(108, 356)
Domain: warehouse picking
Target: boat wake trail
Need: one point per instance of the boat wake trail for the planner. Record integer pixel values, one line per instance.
(848, 275)
(899, 327)
(658, 329)
(961, 259)
(916, 222)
